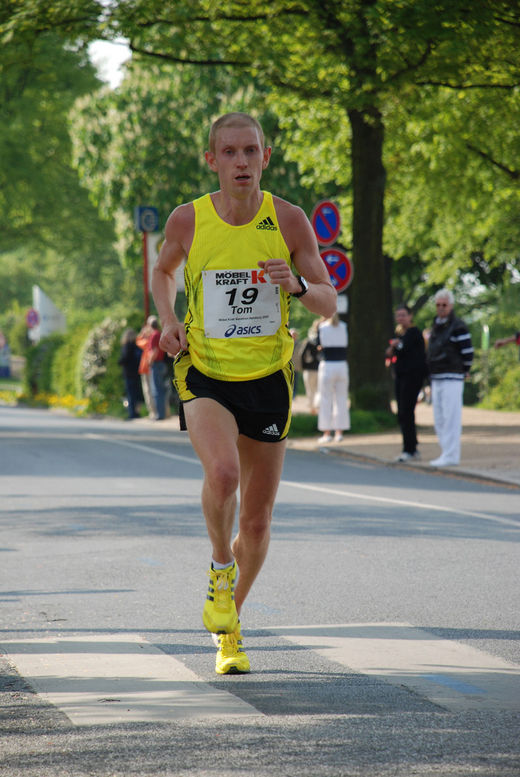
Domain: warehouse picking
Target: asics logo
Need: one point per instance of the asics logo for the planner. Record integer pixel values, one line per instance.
(241, 331)
(267, 223)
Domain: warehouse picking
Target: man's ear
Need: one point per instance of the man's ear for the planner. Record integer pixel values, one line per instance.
(267, 157)
(211, 160)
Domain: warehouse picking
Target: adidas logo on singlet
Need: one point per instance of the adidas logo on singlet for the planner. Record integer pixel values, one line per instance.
(273, 429)
(267, 223)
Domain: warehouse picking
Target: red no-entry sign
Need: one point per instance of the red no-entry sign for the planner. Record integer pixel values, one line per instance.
(339, 266)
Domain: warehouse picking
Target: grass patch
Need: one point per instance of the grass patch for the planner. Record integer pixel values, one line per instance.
(362, 422)
(10, 384)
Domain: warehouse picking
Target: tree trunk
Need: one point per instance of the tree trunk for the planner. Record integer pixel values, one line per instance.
(369, 296)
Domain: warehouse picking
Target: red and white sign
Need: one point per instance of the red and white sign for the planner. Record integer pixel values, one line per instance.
(339, 266)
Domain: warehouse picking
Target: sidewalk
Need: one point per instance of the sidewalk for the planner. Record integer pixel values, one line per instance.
(490, 444)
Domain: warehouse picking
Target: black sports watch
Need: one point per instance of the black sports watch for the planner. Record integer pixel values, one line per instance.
(304, 287)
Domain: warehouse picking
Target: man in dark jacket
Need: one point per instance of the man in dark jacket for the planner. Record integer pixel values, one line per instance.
(450, 354)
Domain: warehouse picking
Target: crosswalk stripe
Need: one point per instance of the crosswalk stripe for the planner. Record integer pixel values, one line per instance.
(451, 674)
(105, 679)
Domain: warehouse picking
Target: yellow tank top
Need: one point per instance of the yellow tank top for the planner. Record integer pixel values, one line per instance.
(237, 321)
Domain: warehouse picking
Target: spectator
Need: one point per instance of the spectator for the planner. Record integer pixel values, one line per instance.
(143, 341)
(408, 357)
(310, 362)
(129, 360)
(158, 369)
(450, 354)
(5, 357)
(333, 411)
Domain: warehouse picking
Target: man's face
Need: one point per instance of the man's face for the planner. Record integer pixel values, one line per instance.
(239, 159)
(443, 307)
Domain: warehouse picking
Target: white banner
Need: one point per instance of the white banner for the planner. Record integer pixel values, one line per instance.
(50, 318)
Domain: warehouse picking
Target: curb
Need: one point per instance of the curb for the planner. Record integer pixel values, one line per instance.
(442, 472)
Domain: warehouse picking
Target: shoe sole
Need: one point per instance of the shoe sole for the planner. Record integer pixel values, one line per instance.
(233, 670)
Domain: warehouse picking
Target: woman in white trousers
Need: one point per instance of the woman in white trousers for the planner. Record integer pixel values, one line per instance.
(334, 414)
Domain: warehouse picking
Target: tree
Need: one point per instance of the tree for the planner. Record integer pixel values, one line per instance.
(50, 232)
(144, 142)
(358, 56)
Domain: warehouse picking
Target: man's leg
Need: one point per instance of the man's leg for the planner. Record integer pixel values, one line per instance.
(438, 411)
(260, 471)
(453, 412)
(214, 434)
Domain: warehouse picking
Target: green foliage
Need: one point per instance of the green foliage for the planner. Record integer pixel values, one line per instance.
(82, 364)
(134, 146)
(66, 366)
(362, 422)
(51, 233)
(432, 77)
(496, 375)
(38, 367)
(102, 376)
(300, 319)
(16, 332)
(40, 79)
(505, 395)
(99, 377)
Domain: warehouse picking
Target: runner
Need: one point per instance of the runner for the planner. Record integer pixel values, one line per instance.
(232, 369)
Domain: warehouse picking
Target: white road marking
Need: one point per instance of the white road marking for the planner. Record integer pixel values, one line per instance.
(451, 674)
(106, 679)
(145, 448)
(329, 490)
(401, 502)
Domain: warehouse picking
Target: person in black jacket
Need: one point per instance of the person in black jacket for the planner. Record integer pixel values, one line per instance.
(129, 361)
(408, 356)
(449, 357)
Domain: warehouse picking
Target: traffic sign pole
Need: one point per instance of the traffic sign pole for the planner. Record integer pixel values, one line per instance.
(146, 220)
(145, 278)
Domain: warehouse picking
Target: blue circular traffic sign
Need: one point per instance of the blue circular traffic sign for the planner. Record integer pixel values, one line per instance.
(339, 266)
(326, 222)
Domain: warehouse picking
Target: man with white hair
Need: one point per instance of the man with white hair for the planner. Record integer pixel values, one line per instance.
(450, 354)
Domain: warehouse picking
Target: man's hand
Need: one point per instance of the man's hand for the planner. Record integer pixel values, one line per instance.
(173, 338)
(280, 272)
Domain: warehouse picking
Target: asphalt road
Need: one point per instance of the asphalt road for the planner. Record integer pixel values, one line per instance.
(382, 632)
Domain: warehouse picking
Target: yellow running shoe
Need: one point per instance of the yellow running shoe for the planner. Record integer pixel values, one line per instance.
(231, 657)
(220, 613)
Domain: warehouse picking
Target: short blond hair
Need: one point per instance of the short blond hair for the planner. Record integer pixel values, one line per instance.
(234, 119)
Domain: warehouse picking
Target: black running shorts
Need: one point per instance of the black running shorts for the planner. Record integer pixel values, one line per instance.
(262, 407)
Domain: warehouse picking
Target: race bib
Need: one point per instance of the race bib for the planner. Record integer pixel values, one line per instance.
(240, 303)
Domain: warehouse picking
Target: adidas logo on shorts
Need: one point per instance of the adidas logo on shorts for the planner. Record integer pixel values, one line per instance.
(273, 429)
(267, 223)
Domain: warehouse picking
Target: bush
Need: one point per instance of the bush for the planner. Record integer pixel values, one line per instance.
(102, 377)
(80, 369)
(362, 422)
(495, 379)
(38, 366)
(505, 395)
(66, 367)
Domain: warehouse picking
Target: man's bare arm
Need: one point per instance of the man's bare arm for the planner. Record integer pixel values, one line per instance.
(321, 297)
(178, 237)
